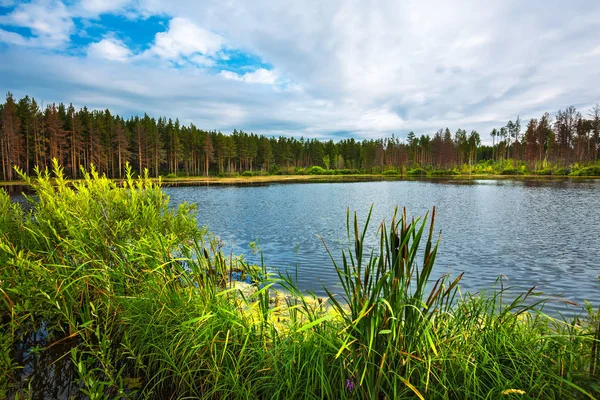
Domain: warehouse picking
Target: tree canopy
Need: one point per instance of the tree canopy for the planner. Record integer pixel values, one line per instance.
(31, 136)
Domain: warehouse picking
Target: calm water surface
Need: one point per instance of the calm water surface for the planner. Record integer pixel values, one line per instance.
(533, 233)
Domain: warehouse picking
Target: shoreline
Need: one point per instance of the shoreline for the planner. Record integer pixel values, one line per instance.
(268, 179)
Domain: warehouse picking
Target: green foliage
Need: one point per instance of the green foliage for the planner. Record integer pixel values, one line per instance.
(247, 173)
(326, 161)
(388, 318)
(93, 213)
(227, 174)
(417, 172)
(174, 150)
(11, 217)
(375, 170)
(344, 172)
(391, 172)
(140, 304)
(8, 367)
(290, 170)
(563, 171)
(274, 170)
(316, 170)
(587, 171)
(444, 172)
(511, 171)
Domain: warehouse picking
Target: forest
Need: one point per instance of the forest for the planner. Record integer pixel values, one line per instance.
(32, 135)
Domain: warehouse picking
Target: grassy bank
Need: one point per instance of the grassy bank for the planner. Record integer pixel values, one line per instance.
(106, 288)
(266, 179)
(506, 169)
(269, 179)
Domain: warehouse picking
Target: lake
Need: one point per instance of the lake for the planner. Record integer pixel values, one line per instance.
(543, 233)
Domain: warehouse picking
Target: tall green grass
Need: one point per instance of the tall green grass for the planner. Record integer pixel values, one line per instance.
(134, 301)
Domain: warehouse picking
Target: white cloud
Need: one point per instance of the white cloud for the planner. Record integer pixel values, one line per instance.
(13, 38)
(595, 52)
(49, 21)
(261, 75)
(202, 61)
(92, 8)
(110, 49)
(184, 38)
(369, 69)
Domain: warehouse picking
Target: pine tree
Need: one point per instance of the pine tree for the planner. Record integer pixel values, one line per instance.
(10, 141)
(209, 153)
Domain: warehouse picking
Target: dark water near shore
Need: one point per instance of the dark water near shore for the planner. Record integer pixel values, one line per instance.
(532, 232)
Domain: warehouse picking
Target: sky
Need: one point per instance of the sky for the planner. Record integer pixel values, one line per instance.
(317, 69)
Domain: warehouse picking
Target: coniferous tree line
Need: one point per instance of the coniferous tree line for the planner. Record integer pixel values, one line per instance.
(31, 135)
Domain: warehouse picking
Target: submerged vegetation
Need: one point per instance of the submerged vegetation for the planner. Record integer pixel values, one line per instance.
(106, 291)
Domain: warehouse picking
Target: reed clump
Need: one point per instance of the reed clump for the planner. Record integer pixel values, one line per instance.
(108, 291)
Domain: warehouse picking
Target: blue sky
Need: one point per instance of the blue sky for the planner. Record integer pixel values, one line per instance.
(314, 69)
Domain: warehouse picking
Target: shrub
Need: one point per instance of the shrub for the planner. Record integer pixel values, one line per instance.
(444, 172)
(510, 171)
(247, 173)
(417, 172)
(391, 172)
(587, 171)
(342, 172)
(274, 170)
(316, 170)
(563, 171)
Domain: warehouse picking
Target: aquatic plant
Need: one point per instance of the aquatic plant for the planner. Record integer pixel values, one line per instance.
(111, 293)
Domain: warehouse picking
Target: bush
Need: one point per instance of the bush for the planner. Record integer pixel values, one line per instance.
(227, 174)
(563, 171)
(343, 172)
(444, 172)
(247, 173)
(417, 172)
(274, 170)
(587, 171)
(287, 171)
(510, 171)
(391, 172)
(316, 170)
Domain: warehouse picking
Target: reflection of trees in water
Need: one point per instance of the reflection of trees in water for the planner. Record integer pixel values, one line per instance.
(16, 190)
(48, 373)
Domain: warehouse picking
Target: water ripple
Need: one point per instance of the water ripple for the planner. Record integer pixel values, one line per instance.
(535, 233)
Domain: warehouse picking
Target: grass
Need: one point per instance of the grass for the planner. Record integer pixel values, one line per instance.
(109, 282)
(478, 172)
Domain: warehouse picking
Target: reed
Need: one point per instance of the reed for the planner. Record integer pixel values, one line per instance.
(109, 292)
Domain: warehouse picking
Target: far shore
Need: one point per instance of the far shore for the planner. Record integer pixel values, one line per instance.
(266, 179)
